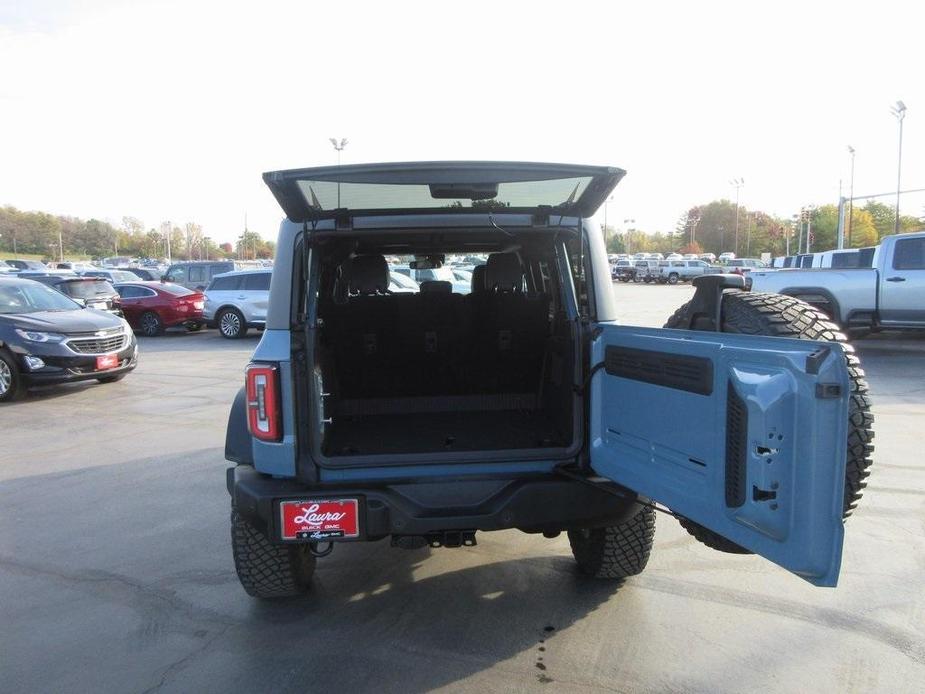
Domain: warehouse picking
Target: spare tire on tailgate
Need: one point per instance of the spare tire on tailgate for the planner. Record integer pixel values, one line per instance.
(757, 313)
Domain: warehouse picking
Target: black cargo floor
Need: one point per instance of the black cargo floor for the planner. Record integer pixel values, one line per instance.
(441, 432)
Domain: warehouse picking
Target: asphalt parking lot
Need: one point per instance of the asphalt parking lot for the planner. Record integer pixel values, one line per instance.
(116, 571)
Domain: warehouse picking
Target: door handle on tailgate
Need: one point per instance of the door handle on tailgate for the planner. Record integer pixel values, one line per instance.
(895, 279)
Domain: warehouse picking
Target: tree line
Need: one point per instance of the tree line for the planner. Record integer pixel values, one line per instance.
(43, 234)
(712, 228)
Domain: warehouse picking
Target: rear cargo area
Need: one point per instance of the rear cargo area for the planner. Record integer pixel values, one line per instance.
(441, 372)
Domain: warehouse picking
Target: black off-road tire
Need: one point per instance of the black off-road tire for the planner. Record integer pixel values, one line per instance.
(617, 551)
(267, 570)
(758, 313)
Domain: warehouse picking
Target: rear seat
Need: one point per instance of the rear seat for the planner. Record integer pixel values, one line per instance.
(511, 327)
(363, 329)
(432, 325)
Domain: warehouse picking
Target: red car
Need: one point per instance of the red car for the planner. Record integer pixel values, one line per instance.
(152, 307)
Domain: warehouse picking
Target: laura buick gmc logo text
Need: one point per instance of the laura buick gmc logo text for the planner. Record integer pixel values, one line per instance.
(311, 518)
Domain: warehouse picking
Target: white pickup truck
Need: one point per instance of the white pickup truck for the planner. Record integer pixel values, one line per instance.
(889, 294)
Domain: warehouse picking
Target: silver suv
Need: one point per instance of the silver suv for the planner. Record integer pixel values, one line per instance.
(236, 301)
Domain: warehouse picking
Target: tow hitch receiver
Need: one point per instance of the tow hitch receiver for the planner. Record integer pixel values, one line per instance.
(447, 538)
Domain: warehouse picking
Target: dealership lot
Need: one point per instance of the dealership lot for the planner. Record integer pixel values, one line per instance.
(116, 573)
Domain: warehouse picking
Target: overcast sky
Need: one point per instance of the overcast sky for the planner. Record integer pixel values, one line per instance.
(171, 111)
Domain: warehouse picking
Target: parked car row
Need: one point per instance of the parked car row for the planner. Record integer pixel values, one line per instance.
(47, 337)
(660, 271)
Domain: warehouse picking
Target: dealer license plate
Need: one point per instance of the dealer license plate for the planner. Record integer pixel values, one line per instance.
(319, 519)
(107, 361)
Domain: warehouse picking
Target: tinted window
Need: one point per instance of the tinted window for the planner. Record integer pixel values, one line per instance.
(197, 273)
(257, 281)
(220, 268)
(846, 259)
(176, 274)
(129, 292)
(909, 254)
(866, 256)
(225, 284)
(83, 289)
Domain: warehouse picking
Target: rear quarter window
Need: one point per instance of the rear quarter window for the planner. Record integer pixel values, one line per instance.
(258, 281)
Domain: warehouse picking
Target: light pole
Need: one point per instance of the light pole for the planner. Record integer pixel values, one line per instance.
(899, 110)
(339, 146)
(850, 199)
(738, 183)
(626, 240)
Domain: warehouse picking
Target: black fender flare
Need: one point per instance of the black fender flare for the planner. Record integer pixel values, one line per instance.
(237, 437)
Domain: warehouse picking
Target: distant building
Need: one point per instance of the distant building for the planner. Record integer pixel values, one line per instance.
(226, 247)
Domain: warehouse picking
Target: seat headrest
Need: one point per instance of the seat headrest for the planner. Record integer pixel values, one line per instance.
(368, 274)
(503, 272)
(478, 279)
(436, 287)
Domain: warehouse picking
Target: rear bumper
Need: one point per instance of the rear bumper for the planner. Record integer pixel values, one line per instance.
(535, 504)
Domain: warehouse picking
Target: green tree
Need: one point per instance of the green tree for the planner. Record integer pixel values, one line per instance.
(864, 230)
(882, 216)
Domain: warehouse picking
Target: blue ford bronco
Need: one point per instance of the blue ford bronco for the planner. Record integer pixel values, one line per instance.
(425, 417)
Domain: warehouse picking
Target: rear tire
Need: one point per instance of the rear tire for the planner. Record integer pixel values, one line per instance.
(266, 570)
(616, 551)
(11, 384)
(755, 313)
(673, 278)
(151, 324)
(231, 324)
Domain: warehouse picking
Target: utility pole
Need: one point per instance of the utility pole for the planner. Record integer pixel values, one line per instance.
(899, 110)
(809, 228)
(738, 183)
(167, 235)
(847, 236)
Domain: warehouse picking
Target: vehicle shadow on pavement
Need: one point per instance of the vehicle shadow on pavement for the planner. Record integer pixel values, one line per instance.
(388, 628)
(142, 569)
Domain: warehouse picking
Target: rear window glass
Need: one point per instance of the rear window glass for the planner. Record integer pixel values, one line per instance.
(82, 289)
(258, 281)
(175, 289)
(329, 195)
(847, 259)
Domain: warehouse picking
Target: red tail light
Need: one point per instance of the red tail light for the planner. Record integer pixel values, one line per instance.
(263, 409)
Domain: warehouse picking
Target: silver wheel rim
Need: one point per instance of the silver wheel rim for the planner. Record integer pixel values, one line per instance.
(231, 324)
(6, 377)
